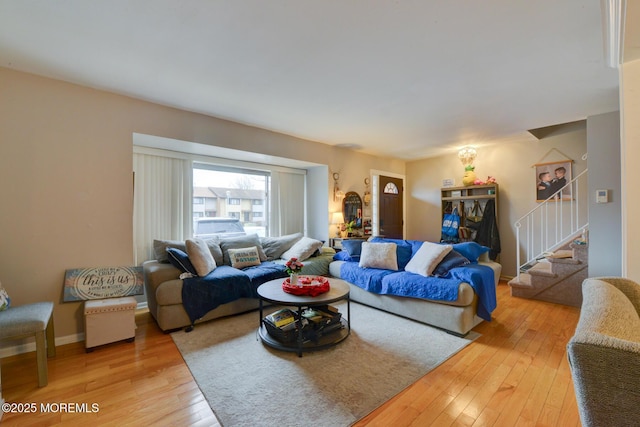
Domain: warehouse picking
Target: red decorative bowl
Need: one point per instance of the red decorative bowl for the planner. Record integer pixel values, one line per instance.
(307, 286)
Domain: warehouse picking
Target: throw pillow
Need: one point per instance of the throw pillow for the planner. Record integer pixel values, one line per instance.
(200, 256)
(180, 260)
(274, 247)
(470, 250)
(302, 249)
(353, 248)
(216, 250)
(5, 301)
(239, 243)
(160, 248)
(342, 256)
(452, 260)
(404, 249)
(427, 258)
(244, 257)
(379, 255)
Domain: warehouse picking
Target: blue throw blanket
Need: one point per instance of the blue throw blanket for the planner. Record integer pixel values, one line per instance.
(402, 283)
(225, 284)
(222, 285)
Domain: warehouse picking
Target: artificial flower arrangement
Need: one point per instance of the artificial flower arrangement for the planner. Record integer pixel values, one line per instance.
(293, 266)
(490, 180)
(348, 226)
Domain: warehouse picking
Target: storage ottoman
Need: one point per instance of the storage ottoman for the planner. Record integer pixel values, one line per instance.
(109, 320)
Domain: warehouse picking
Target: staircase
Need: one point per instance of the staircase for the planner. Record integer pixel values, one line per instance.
(555, 278)
(552, 249)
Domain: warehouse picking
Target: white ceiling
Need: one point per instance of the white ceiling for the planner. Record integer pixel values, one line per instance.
(404, 78)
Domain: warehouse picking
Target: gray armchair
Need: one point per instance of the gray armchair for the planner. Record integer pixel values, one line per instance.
(604, 353)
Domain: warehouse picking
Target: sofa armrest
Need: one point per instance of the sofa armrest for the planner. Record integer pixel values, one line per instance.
(604, 354)
(628, 287)
(156, 273)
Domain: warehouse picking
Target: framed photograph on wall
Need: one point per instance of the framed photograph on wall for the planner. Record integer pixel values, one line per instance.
(552, 177)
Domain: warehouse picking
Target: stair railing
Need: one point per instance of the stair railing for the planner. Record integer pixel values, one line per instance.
(552, 223)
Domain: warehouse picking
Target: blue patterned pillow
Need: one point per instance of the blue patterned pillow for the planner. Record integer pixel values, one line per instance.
(342, 256)
(180, 260)
(452, 260)
(470, 250)
(353, 248)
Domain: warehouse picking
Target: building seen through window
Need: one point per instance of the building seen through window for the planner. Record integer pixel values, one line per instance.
(227, 193)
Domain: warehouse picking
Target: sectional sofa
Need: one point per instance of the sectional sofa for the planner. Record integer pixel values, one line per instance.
(165, 277)
(456, 295)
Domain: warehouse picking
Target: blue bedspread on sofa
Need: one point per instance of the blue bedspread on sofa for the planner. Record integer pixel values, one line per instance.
(402, 283)
(225, 284)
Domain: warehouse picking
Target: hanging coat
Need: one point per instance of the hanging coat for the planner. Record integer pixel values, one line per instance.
(488, 234)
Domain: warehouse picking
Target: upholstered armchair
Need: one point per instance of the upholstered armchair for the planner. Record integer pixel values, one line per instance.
(604, 353)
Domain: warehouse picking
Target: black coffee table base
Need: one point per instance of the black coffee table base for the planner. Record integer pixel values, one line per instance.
(321, 343)
(272, 292)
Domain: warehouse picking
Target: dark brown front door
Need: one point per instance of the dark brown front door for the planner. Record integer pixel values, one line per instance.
(390, 197)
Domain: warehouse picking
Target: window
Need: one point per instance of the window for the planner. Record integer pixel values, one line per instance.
(172, 191)
(233, 192)
(390, 188)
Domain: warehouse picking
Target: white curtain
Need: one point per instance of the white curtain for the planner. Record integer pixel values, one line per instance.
(162, 202)
(287, 203)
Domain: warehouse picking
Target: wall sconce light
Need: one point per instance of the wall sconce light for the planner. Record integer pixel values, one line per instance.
(366, 198)
(467, 155)
(337, 219)
(337, 193)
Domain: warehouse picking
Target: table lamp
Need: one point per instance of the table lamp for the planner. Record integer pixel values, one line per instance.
(337, 219)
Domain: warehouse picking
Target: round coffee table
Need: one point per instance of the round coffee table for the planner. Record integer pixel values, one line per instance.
(272, 292)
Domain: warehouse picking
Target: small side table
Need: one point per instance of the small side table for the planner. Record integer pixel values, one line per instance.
(336, 242)
(109, 320)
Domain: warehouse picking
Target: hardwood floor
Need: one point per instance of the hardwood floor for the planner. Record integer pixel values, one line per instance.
(516, 373)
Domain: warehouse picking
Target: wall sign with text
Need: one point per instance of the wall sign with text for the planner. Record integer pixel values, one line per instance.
(83, 284)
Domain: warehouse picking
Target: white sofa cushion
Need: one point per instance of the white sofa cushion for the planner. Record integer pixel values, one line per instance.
(427, 258)
(200, 256)
(378, 255)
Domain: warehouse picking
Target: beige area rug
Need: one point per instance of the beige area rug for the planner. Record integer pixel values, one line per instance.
(249, 384)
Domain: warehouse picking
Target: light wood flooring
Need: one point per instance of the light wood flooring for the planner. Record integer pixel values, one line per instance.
(515, 374)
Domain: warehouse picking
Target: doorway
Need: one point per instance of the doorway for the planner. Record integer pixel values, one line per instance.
(390, 207)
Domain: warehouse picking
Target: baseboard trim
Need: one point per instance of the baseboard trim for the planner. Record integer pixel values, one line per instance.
(29, 345)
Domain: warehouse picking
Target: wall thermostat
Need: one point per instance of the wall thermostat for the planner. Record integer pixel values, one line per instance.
(602, 196)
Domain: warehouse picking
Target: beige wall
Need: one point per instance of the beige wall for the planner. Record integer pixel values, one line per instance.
(66, 169)
(66, 173)
(630, 153)
(510, 165)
